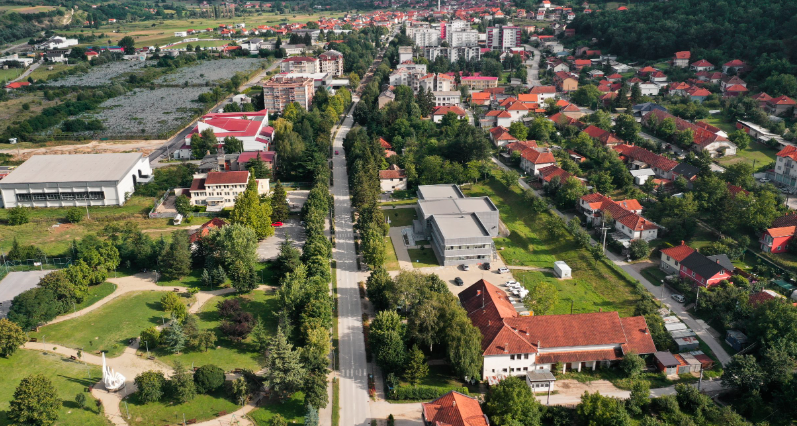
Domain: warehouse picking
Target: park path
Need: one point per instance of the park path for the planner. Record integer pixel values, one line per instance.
(130, 363)
(403, 256)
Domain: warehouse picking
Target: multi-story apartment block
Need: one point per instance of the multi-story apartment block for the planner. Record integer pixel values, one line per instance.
(472, 53)
(426, 37)
(785, 170)
(302, 64)
(331, 62)
(406, 77)
(405, 53)
(437, 82)
(503, 37)
(476, 83)
(280, 91)
(464, 38)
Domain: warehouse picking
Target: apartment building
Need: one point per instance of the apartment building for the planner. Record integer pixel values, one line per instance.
(469, 53)
(280, 91)
(463, 38)
(217, 190)
(437, 82)
(503, 37)
(302, 64)
(477, 83)
(785, 171)
(405, 53)
(331, 62)
(426, 37)
(407, 77)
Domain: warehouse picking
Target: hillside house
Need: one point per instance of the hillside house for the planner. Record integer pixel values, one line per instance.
(672, 257)
(626, 215)
(705, 271)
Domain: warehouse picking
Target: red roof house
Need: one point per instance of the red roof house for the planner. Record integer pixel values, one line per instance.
(453, 409)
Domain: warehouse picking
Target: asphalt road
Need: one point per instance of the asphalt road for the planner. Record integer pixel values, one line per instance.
(15, 283)
(533, 70)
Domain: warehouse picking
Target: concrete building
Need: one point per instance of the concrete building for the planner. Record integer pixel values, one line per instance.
(331, 62)
(465, 38)
(437, 82)
(250, 127)
(392, 179)
(218, 190)
(472, 53)
(57, 42)
(280, 91)
(406, 77)
(447, 98)
(477, 83)
(75, 180)
(672, 257)
(405, 53)
(301, 64)
(503, 37)
(426, 37)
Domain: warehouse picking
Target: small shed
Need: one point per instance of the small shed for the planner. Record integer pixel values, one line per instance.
(682, 333)
(540, 380)
(672, 319)
(687, 343)
(676, 326)
(705, 361)
(561, 269)
(736, 339)
(666, 363)
(683, 366)
(694, 364)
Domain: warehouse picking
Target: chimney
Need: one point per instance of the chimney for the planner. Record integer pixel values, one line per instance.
(682, 243)
(506, 348)
(538, 344)
(454, 403)
(646, 330)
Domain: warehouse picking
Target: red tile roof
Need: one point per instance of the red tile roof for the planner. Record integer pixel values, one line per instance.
(265, 156)
(683, 55)
(702, 137)
(679, 252)
(521, 145)
(206, 227)
(534, 156)
(197, 184)
(542, 89)
(226, 178)
(385, 144)
(17, 84)
(789, 151)
(392, 173)
(443, 110)
(702, 63)
(790, 219)
(454, 409)
(781, 100)
(300, 59)
(786, 231)
(548, 173)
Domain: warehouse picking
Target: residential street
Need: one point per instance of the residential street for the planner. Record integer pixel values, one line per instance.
(533, 67)
(660, 292)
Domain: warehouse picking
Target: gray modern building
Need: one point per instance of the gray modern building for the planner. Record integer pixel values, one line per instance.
(75, 180)
(459, 228)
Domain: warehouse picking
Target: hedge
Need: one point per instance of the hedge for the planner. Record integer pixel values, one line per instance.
(422, 393)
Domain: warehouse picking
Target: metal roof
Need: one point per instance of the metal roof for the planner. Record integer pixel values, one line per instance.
(73, 168)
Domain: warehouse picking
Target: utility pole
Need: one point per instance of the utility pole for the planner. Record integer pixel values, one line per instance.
(697, 297)
(604, 228)
(700, 381)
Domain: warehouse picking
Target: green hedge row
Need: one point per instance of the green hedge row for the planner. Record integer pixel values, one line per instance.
(422, 393)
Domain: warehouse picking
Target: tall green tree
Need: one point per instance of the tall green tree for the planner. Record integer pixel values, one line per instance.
(181, 384)
(175, 261)
(279, 203)
(11, 337)
(519, 130)
(234, 248)
(251, 212)
(511, 402)
(173, 337)
(35, 402)
(598, 410)
(233, 144)
(284, 373)
(417, 368)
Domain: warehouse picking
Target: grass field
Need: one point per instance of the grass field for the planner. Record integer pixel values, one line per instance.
(26, 9)
(42, 73)
(756, 154)
(202, 407)
(292, 410)
(96, 293)
(10, 74)
(68, 377)
(654, 275)
(13, 111)
(717, 120)
(422, 258)
(227, 354)
(594, 285)
(400, 217)
(391, 260)
(200, 43)
(110, 327)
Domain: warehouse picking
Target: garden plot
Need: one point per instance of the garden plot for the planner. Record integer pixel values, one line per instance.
(147, 113)
(100, 75)
(209, 71)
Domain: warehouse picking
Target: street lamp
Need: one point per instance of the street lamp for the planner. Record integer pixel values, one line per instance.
(147, 346)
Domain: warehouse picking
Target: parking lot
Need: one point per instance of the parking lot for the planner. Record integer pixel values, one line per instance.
(269, 248)
(15, 283)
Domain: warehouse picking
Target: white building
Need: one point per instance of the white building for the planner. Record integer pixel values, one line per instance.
(465, 38)
(15, 58)
(75, 180)
(218, 190)
(57, 42)
(405, 53)
(426, 37)
(250, 127)
(181, 33)
(503, 37)
(406, 77)
(392, 179)
(300, 64)
(447, 98)
(331, 62)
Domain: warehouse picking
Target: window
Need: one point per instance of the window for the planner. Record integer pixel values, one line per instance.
(24, 197)
(526, 356)
(504, 370)
(512, 357)
(493, 370)
(525, 369)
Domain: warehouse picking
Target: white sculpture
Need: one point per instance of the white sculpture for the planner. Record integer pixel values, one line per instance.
(112, 380)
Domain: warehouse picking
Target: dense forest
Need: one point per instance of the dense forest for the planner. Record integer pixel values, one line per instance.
(760, 32)
(16, 26)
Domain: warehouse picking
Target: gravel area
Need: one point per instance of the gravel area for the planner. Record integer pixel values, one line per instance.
(100, 75)
(209, 71)
(147, 113)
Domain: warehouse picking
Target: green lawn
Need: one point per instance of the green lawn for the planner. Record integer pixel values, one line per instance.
(42, 73)
(202, 407)
(292, 410)
(439, 376)
(594, 285)
(718, 120)
(227, 354)
(391, 260)
(756, 154)
(422, 258)
(654, 275)
(110, 327)
(68, 377)
(400, 217)
(264, 271)
(96, 293)
(10, 74)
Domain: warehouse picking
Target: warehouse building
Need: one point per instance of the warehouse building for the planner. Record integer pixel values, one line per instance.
(75, 180)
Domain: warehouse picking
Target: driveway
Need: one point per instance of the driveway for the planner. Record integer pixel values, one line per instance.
(15, 283)
(532, 67)
(296, 199)
(270, 247)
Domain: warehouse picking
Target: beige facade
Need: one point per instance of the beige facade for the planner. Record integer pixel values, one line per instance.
(279, 92)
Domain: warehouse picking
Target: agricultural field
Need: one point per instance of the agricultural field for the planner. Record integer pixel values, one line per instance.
(42, 73)
(10, 74)
(209, 71)
(145, 113)
(26, 9)
(100, 75)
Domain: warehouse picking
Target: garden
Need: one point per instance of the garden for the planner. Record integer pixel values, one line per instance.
(207, 72)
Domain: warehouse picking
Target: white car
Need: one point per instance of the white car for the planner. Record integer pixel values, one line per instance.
(511, 283)
(678, 298)
(763, 180)
(503, 270)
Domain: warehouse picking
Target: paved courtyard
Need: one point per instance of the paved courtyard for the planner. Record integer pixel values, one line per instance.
(269, 248)
(15, 283)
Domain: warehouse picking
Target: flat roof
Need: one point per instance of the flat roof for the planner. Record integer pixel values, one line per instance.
(456, 206)
(432, 192)
(460, 226)
(73, 168)
(540, 376)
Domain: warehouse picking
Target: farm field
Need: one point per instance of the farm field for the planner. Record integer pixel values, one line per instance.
(209, 71)
(104, 329)
(227, 354)
(13, 110)
(26, 9)
(594, 285)
(99, 75)
(68, 377)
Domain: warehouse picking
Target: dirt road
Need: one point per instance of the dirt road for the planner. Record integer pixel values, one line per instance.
(93, 147)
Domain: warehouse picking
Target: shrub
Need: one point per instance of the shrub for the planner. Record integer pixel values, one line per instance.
(208, 378)
(152, 336)
(18, 216)
(422, 393)
(74, 215)
(150, 386)
(639, 249)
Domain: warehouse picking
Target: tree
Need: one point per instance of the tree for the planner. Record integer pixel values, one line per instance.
(740, 138)
(11, 337)
(636, 94)
(639, 249)
(542, 298)
(181, 384)
(203, 340)
(315, 390)
(511, 402)
(311, 416)
(18, 216)
(278, 420)
(626, 127)
(208, 378)
(33, 307)
(743, 373)
(173, 337)
(284, 373)
(685, 138)
(279, 203)
(234, 248)
(602, 181)
(150, 386)
(175, 262)
(598, 410)
(64, 290)
(152, 336)
(74, 215)
(354, 80)
(417, 368)
(640, 397)
(587, 95)
(259, 168)
(35, 402)
(80, 399)
(518, 130)
(233, 144)
(632, 364)
(128, 44)
(251, 212)
(183, 205)
(170, 302)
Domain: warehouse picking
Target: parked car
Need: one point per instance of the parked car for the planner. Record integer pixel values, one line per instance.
(466, 267)
(458, 281)
(763, 180)
(678, 298)
(486, 266)
(336, 152)
(276, 224)
(503, 270)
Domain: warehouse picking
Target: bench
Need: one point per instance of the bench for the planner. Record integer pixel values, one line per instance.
(74, 358)
(34, 340)
(176, 290)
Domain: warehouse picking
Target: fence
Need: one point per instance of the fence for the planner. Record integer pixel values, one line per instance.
(153, 215)
(34, 264)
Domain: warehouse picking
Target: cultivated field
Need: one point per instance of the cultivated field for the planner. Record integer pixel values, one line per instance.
(209, 71)
(101, 75)
(147, 113)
